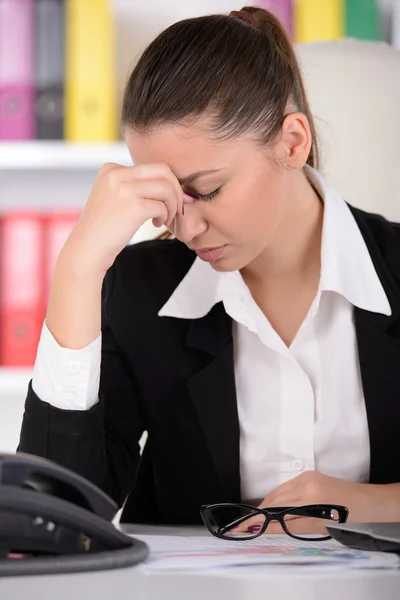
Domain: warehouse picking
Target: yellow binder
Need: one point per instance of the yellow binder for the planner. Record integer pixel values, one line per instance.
(90, 85)
(318, 20)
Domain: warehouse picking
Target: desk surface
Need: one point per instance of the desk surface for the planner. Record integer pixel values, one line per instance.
(274, 582)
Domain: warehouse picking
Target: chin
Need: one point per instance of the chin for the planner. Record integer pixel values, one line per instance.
(226, 265)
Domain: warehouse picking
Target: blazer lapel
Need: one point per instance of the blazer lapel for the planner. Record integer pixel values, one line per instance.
(378, 339)
(213, 393)
(379, 357)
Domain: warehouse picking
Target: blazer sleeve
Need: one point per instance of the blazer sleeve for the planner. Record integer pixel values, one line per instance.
(102, 443)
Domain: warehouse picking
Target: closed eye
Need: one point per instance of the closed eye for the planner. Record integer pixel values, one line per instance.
(206, 197)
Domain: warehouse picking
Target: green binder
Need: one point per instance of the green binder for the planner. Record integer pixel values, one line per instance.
(363, 19)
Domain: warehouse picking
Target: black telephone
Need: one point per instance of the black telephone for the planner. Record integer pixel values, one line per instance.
(54, 521)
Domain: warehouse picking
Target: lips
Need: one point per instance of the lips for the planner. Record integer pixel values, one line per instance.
(210, 254)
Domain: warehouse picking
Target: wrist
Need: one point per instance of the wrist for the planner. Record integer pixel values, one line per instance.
(382, 502)
(78, 264)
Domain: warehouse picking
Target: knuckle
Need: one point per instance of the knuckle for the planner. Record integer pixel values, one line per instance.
(107, 167)
(165, 190)
(113, 178)
(171, 178)
(165, 168)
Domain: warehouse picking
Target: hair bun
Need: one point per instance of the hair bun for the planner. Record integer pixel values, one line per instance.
(243, 15)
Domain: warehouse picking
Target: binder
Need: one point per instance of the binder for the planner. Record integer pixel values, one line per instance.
(16, 70)
(21, 278)
(57, 227)
(362, 19)
(90, 91)
(396, 24)
(316, 20)
(49, 69)
(283, 10)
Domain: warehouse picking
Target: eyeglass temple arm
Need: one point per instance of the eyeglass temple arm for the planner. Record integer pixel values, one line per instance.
(318, 513)
(237, 522)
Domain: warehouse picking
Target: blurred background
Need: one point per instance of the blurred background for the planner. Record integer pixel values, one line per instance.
(63, 67)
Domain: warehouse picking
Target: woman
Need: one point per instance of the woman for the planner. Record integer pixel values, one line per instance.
(260, 348)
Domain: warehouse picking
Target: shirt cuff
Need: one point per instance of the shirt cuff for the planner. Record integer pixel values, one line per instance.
(65, 378)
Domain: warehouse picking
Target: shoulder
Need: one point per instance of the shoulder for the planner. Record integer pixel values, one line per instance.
(166, 258)
(384, 232)
(145, 274)
(382, 238)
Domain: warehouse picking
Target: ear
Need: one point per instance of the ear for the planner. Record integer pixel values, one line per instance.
(296, 140)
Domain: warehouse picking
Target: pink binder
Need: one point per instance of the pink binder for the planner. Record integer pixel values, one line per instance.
(16, 69)
(21, 284)
(283, 9)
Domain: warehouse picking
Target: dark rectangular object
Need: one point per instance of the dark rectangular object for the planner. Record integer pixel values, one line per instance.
(49, 68)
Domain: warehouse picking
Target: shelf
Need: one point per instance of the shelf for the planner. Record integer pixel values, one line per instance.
(61, 155)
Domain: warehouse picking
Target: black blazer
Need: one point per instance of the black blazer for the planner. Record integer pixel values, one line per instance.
(175, 379)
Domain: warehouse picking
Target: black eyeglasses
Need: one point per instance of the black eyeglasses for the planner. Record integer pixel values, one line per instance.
(228, 520)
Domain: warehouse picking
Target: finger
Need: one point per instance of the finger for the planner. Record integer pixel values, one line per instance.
(163, 191)
(286, 494)
(276, 499)
(160, 191)
(161, 171)
(159, 221)
(252, 525)
(110, 166)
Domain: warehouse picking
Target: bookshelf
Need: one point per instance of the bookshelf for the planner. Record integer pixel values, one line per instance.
(62, 155)
(22, 167)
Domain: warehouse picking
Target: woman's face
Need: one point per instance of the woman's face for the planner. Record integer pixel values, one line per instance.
(237, 209)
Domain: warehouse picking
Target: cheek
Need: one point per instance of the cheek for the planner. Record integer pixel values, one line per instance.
(256, 211)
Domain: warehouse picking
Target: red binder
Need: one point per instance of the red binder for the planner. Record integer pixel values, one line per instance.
(17, 119)
(57, 227)
(21, 284)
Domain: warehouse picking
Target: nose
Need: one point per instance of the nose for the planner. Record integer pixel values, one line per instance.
(191, 224)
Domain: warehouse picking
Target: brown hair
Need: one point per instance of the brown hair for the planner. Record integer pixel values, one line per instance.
(238, 70)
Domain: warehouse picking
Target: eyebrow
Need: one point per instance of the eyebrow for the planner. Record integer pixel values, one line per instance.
(194, 176)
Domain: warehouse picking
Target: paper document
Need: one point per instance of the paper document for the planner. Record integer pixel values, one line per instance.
(170, 552)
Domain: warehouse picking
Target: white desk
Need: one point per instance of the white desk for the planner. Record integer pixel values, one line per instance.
(272, 583)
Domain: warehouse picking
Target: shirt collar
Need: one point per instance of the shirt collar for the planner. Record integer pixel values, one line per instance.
(196, 294)
(346, 266)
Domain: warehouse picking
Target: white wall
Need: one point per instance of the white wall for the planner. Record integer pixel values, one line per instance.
(139, 22)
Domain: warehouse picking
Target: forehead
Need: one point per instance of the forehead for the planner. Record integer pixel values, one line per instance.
(183, 148)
